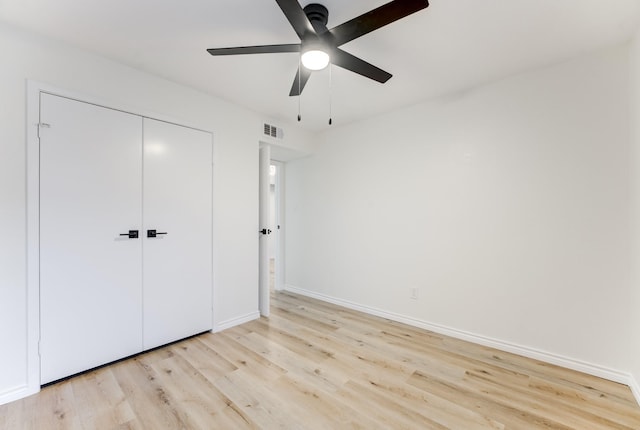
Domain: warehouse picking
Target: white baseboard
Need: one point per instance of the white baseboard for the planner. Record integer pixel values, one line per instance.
(634, 384)
(569, 363)
(223, 325)
(17, 393)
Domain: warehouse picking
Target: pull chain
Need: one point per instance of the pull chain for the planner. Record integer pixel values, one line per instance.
(299, 92)
(330, 91)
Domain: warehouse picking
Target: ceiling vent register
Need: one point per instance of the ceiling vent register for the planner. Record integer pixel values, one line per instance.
(273, 131)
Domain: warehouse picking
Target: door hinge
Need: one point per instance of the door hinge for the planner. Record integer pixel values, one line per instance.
(42, 125)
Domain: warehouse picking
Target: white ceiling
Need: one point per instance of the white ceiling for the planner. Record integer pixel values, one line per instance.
(450, 46)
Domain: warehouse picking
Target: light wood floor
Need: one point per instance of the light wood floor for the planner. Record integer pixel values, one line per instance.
(313, 365)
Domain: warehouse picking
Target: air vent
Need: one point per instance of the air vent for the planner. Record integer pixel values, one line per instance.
(273, 131)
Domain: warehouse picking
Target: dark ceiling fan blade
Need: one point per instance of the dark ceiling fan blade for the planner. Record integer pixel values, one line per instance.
(297, 18)
(356, 65)
(373, 20)
(261, 49)
(297, 87)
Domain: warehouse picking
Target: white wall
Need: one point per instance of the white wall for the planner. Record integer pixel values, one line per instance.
(635, 161)
(236, 134)
(507, 206)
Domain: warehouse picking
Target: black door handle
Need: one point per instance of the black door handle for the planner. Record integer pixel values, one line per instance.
(265, 231)
(133, 234)
(154, 233)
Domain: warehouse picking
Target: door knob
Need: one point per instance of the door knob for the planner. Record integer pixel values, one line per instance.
(154, 233)
(133, 234)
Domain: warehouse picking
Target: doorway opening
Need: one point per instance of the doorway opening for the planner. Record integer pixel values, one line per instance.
(271, 252)
(272, 230)
(276, 254)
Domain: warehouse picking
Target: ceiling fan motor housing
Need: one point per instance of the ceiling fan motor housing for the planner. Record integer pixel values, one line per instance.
(317, 12)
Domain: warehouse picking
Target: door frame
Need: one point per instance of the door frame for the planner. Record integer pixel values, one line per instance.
(264, 163)
(277, 234)
(34, 89)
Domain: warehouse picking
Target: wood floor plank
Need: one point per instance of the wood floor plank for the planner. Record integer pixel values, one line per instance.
(202, 403)
(147, 396)
(262, 370)
(291, 341)
(261, 404)
(510, 416)
(99, 405)
(314, 365)
(206, 360)
(393, 414)
(625, 413)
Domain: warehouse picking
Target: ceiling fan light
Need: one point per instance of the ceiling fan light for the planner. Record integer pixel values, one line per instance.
(315, 59)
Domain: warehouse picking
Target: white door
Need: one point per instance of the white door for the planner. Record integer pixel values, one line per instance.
(90, 274)
(265, 230)
(177, 263)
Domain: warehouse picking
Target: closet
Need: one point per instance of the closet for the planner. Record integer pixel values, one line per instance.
(125, 234)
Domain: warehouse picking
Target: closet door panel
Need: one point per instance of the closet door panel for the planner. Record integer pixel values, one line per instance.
(177, 266)
(90, 275)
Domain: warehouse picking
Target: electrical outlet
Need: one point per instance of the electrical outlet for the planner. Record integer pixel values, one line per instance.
(414, 293)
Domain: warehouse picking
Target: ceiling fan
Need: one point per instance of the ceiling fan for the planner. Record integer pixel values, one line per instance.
(319, 45)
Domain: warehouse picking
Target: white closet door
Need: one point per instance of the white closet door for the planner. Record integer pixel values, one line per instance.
(90, 275)
(177, 266)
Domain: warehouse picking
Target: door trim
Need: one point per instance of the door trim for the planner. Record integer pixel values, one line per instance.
(34, 89)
